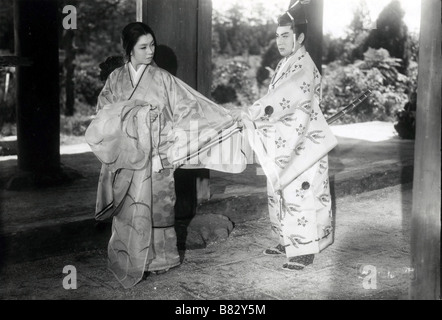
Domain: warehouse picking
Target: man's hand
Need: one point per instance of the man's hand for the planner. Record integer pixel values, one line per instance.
(271, 71)
(236, 114)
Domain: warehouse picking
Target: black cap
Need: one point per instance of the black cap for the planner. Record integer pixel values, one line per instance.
(295, 15)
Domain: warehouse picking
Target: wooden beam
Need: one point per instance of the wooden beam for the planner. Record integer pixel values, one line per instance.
(426, 215)
(141, 10)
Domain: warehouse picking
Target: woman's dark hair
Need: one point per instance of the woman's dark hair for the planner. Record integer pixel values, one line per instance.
(130, 35)
(110, 65)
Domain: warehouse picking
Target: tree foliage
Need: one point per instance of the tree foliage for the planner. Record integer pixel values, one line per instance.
(270, 60)
(99, 24)
(391, 33)
(384, 58)
(240, 30)
(333, 49)
(343, 83)
(232, 84)
(357, 33)
(98, 37)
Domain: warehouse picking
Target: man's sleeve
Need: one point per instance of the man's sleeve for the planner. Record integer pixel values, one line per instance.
(287, 129)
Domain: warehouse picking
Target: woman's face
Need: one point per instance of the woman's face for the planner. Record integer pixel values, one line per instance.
(143, 51)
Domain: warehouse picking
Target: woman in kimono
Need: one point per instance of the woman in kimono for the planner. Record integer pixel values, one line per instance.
(145, 127)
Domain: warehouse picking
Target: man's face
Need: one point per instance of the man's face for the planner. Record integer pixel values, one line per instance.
(285, 40)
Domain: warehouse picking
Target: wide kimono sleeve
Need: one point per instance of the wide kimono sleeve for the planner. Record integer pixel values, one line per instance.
(119, 135)
(106, 95)
(287, 129)
(204, 134)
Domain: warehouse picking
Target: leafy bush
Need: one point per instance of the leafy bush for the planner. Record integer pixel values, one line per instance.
(87, 81)
(343, 83)
(332, 49)
(231, 78)
(75, 125)
(391, 33)
(406, 118)
(224, 94)
(244, 29)
(270, 59)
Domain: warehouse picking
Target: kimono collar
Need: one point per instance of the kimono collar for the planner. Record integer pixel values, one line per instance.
(135, 75)
(293, 56)
(130, 85)
(280, 70)
(300, 52)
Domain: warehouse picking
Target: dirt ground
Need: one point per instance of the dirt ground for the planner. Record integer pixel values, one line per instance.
(369, 259)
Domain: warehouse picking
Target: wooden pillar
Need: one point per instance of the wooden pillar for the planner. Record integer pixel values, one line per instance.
(204, 81)
(69, 66)
(38, 110)
(314, 11)
(183, 32)
(426, 215)
(142, 10)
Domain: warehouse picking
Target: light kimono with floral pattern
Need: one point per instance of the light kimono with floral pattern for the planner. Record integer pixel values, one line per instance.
(291, 140)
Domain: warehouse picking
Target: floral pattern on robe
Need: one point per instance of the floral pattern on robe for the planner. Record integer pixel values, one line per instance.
(291, 139)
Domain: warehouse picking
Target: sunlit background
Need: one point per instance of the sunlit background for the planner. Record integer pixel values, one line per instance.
(355, 57)
(347, 47)
(337, 13)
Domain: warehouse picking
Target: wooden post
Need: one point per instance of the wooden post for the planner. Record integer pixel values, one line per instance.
(38, 111)
(314, 12)
(204, 81)
(69, 66)
(315, 31)
(426, 215)
(142, 11)
(183, 31)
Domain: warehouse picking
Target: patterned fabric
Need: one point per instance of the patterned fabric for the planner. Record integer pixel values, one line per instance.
(291, 139)
(141, 133)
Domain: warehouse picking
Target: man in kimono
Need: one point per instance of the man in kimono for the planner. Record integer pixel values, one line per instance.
(291, 139)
